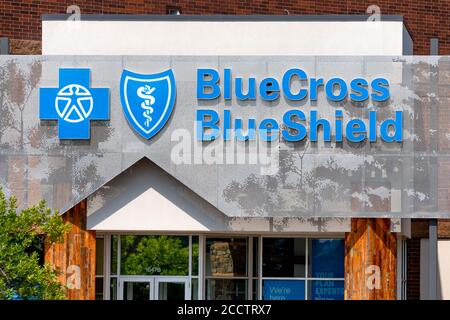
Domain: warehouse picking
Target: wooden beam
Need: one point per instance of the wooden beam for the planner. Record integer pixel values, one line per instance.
(370, 260)
(74, 258)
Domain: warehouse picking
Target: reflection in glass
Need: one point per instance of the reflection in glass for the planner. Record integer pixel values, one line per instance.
(255, 289)
(114, 252)
(195, 255)
(226, 289)
(136, 290)
(255, 256)
(113, 289)
(171, 290)
(154, 255)
(284, 257)
(194, 288)
(326, 290)
(99, 256)
(226, 257)
(99, 288)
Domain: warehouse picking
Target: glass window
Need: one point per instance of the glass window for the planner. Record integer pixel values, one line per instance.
(194, 288)
(113, 289)
(226, 257)
(255, 289)
(99, 288)
(326, 258)
(284, 257)
(326, 290)
(255, 257)
(195, 255)
(168, 290)
(99, 267)
(154, 255)
(114, 252)
(99, 256)
(136, 291)
(226, 289)
(284, 290)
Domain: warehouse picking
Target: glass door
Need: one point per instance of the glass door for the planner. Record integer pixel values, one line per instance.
(154, 288)
(172, 288)
(136, 289)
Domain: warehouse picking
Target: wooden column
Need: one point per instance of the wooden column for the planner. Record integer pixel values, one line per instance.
(370, 260)
(74, 258)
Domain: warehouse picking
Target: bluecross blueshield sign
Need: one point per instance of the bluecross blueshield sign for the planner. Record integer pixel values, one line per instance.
(210, 86)
(148, 101)
(74, 104)
(254, 136)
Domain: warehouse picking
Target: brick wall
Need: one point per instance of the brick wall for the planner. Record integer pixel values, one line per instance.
(413, 276)
(425, 19)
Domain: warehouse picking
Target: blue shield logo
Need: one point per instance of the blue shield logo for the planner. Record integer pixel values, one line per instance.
(147, 100)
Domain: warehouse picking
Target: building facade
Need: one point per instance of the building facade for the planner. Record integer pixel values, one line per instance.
(148, 233)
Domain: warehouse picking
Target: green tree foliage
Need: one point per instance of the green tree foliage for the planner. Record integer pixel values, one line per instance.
(22, 235)
(153, 255)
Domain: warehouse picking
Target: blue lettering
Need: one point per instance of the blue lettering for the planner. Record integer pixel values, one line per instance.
(329, 89)
(339, 133)
(314, 127)
(314, 86)
(291, 124)
(226, 125)
(380, 86)
(227, 84)
(212, 84)
(269, 89)
(396, 124)
(355, 130)
(251, 94)
(202, 124)
(251, 131)
(373, 126)
(287, 77)
(268, 130)
(359, 90)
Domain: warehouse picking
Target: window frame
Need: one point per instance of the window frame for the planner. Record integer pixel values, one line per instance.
(251, 277)
(104, 257)
(118, 276)
(248, 271)
(306, 278)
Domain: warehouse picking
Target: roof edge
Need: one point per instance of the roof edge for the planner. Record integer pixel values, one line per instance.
(184, 17)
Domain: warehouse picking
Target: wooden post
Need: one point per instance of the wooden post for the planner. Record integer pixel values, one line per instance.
(370, 260)
(74, 258)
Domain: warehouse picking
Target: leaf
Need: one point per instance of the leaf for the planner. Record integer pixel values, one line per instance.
(21, 237)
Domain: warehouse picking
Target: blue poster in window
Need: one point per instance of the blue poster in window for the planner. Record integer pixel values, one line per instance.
(327, 290)
(327, 258)
(284, 290)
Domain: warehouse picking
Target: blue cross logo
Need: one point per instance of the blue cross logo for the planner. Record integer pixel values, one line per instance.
(74, 104)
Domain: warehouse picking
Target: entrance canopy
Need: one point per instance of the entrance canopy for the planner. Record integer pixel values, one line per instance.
(370, 148)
